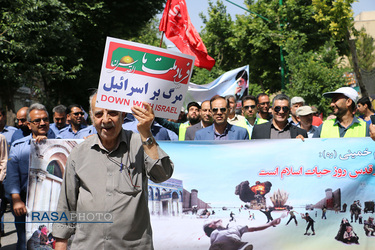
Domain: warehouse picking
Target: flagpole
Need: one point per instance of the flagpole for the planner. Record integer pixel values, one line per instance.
(161, 39)
(162, 33)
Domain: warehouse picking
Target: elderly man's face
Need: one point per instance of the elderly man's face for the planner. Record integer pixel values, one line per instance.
(295, 106)
(305, 120)
(108, 123)
(39, 124)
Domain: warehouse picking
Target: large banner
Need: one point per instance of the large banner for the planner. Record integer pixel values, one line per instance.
(239, 186)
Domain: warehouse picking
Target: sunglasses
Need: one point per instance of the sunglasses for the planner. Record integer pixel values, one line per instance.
(278, 109)
(222, 110)
(37, 121)
(264, 103)
(20, 120)
(249, 106)
(78, 113)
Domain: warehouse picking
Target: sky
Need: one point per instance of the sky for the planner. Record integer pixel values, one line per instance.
(201, 6)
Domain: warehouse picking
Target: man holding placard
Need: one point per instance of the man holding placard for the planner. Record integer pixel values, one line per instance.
(108, 173)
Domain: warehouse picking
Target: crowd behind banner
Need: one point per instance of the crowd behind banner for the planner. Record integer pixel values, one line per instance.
(230, 117)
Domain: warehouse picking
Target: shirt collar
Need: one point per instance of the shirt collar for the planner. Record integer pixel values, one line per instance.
(355, 120)
(97, 143)
(225, 130)
(287, 126)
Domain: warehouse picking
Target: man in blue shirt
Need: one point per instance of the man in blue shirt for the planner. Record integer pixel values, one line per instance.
(7, 131)
(18, 167)
(59, 119)
(76, 118)
(23, 128)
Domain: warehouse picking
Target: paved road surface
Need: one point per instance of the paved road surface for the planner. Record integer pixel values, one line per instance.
(8, 242)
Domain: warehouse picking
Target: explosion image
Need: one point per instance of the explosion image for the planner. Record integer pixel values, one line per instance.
(254, 194)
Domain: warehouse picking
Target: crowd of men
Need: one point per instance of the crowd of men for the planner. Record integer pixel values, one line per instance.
(214, 119)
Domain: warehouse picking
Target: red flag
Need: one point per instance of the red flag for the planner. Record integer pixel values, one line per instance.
(178, 29)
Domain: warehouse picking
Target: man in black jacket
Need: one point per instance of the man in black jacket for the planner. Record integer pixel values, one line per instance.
(278, 127)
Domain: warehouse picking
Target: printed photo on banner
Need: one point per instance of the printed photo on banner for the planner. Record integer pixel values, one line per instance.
(46, 171)
(133, 73)
(234, 82)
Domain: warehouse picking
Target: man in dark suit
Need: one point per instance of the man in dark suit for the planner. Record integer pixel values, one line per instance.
(206, 120)
(221, 129)
(278, 127)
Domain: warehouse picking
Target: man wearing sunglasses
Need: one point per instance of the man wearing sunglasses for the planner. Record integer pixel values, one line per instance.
(343, 103)
(76, 118)
(109, 172)
(221, 129)
(23, 128)
(278, 127)
(18, 167)
(249, 111)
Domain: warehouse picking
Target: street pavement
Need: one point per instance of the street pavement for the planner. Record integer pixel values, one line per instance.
(8, 242)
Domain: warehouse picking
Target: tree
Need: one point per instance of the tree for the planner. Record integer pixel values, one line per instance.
(311, 49)
(218, 37)
(337, 16)
(256, 41)
(365, 50)
(149, 34)
(313, 73)
(56, 46)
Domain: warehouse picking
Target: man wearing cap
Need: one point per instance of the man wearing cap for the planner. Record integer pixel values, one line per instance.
(193, 116)
(343, 103)
(295, 103)
(305, 119)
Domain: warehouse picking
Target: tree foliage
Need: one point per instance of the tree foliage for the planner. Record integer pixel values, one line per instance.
(298, 26)
(56, 46)
(314, 73)
(365, 51)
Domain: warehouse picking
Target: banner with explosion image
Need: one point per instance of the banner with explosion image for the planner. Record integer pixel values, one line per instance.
(271, 194)
(260, 194)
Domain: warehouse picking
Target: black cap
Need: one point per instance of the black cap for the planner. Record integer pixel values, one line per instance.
(195, 104)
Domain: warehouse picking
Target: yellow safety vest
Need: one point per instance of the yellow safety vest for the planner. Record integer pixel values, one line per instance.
(260, 121)
(182, 131)
(331, 130)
